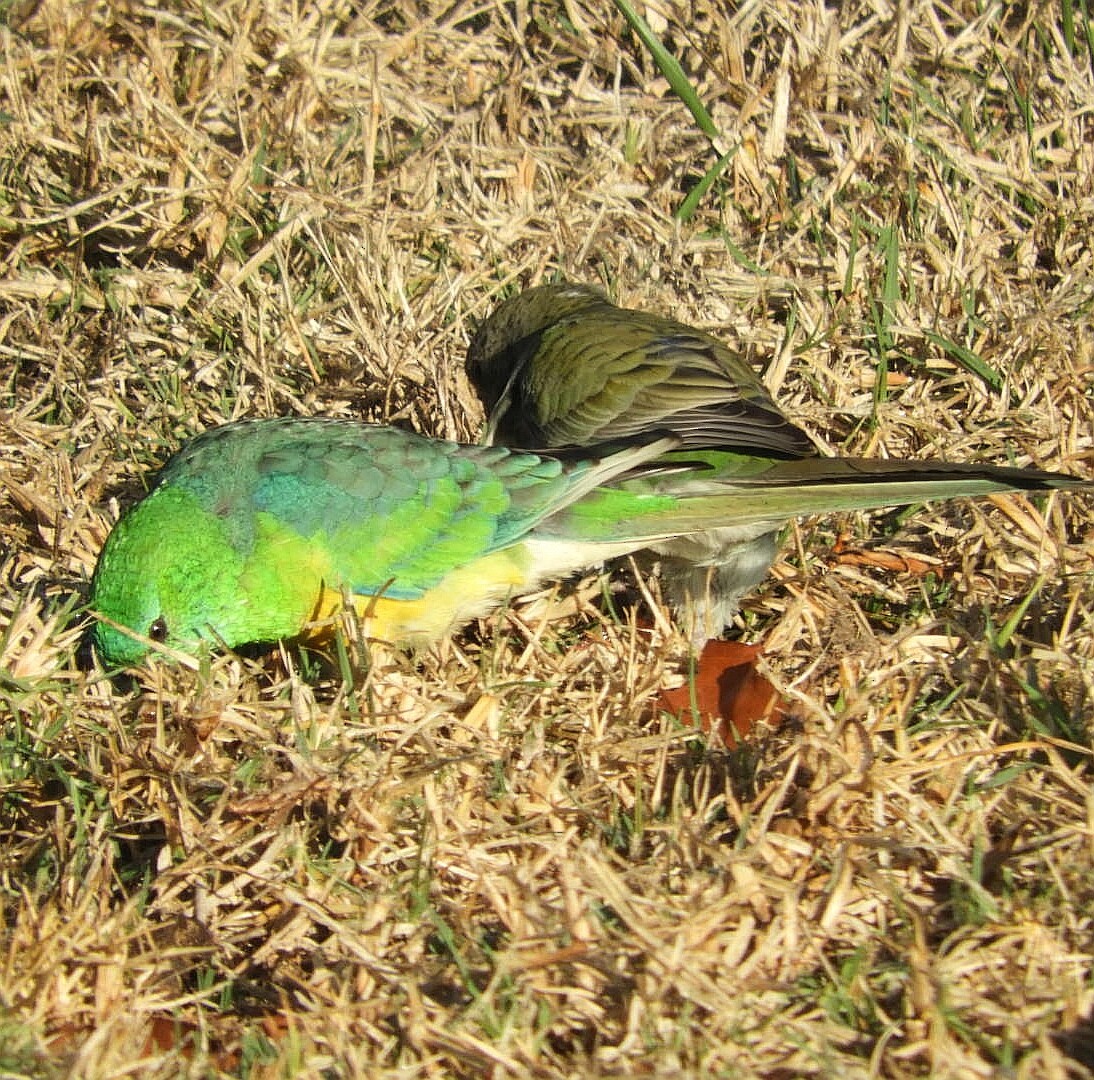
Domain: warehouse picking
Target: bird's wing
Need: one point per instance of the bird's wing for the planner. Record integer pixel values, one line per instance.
(562, 366)
(395, 511)
(625, 373)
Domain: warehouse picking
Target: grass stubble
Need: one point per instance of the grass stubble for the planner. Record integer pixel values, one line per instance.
(497, 858)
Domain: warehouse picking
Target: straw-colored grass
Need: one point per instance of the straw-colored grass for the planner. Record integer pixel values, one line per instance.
(498, 858)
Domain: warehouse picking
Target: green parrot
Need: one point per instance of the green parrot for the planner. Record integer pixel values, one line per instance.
(263, 529)
(560, 366)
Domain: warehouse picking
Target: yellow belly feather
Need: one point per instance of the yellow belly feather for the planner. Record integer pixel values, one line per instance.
(465, 594)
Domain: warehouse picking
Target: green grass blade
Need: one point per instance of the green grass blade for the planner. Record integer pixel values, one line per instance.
(694, 197)
(1068, 20)
(670, 68)
(889, 242)
(967, 359)
(1010, 627)
(1088, 33)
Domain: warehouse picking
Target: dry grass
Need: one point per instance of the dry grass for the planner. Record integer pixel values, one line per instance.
(497, 859)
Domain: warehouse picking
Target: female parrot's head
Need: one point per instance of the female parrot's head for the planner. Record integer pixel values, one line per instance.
(509, 337)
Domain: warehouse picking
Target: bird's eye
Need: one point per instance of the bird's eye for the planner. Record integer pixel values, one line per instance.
(158, 630)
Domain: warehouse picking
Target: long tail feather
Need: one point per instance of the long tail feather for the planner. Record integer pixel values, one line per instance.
(652, 506)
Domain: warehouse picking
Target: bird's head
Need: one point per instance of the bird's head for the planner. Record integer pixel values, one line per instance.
(508, 336)
(169, 573)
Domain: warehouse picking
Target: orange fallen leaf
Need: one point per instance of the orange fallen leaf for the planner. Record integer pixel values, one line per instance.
(730, 695)
(275, 1026)
(882, 560)
(166, 1033)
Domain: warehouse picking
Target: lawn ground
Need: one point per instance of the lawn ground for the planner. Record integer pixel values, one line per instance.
(500, 858)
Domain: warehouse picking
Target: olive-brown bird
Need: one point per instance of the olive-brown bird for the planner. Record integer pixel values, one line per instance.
(560, 366)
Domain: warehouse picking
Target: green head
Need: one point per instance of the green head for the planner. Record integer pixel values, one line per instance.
(168, 572)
